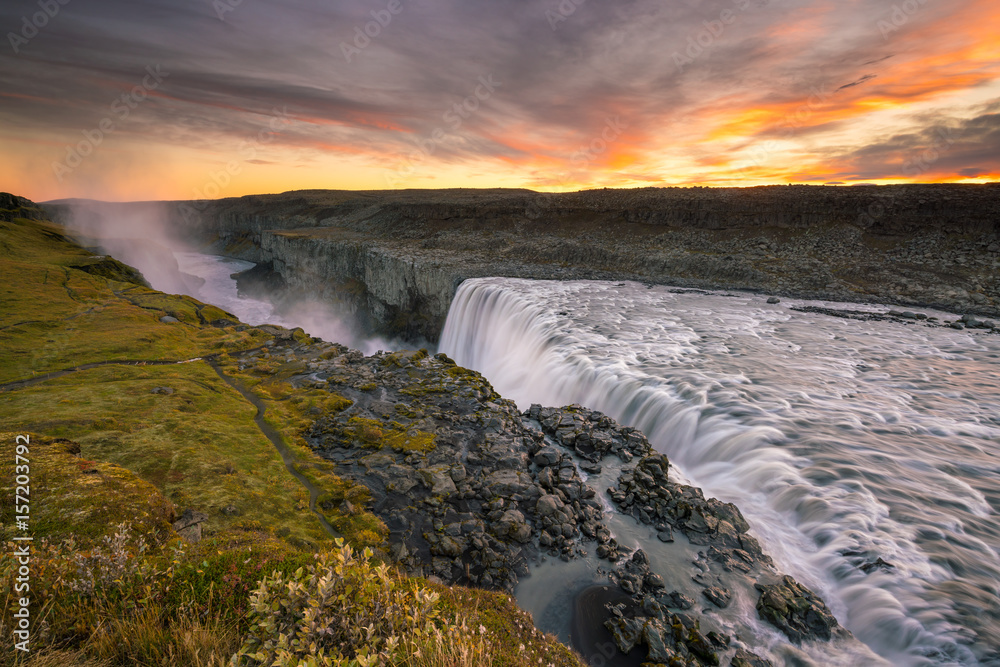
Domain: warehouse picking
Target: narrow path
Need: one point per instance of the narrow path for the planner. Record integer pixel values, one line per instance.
(279, 444)
(20, 324)
(286, 456)
(21, 384)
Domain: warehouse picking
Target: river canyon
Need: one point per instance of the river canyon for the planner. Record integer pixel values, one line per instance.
(853, 421)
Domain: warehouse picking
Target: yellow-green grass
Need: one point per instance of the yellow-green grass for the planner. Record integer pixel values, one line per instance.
(71, 494)
(373, 434)
(505, 628)
(164, 601)
(54, 316)
(290, 412)
(198, 445)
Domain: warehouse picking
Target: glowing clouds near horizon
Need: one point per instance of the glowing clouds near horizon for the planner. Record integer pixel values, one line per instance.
(716, 92)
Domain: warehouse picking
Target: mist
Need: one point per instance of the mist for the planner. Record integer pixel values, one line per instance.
(323, 321)
(143, 235)
(138, 234)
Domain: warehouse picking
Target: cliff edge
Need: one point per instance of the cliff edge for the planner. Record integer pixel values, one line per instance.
(395, 258)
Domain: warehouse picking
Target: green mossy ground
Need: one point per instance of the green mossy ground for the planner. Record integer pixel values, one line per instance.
(198, 445)
(71, 494)
(373, 434)
(124, 446)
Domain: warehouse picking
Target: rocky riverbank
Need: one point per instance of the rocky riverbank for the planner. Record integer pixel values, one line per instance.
(405, 451)
(473, 492)
(395, 258)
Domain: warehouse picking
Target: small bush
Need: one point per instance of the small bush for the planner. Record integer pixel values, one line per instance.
(341, 611)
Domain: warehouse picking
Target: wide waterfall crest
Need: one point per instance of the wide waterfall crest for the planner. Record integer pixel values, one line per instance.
(841, 441)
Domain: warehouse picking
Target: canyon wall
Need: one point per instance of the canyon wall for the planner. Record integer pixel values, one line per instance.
(395, 258)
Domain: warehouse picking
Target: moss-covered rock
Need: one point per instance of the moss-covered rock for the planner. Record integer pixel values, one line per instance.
(796, 611)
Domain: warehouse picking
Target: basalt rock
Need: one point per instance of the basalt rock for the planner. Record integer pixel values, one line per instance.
(645, 493)
(796, 611)
(188, 525)
(471, 490)
(670, 638)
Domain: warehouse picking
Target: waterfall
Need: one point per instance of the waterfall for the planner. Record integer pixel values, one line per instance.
(841, 441)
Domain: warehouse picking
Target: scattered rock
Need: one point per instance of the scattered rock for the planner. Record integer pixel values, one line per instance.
(588, 633)
(547, 456)
(188, 526)
(677, 600)
(745, 658)
(438, 480)
(773, 300)
(166, 391)
(718, 596)
(877, 564)
(796, 611)
(169, 319)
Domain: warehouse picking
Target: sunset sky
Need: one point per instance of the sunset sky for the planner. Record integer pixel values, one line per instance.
(185, 99)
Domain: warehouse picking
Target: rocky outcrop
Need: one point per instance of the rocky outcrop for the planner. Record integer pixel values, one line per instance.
(796, 611)
(470, 490)
(473, 492)
(188, 525)
(12, 207)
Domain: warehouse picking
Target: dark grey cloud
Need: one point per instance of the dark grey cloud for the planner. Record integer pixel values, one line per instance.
(944, 146)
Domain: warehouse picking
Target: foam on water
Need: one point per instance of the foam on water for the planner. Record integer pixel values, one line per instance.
(315, 318)
(841, 440)
(220, 290)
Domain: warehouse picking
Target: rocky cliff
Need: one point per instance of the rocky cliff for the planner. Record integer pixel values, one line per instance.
(396, 257)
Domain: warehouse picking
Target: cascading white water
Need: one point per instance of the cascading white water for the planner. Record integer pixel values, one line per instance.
(842, 441)
(220, 289)
(319, 320)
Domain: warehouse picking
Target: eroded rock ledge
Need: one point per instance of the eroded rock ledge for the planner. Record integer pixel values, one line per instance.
(474, 491)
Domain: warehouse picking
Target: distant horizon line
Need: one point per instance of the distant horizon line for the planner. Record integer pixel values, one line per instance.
(831, 184)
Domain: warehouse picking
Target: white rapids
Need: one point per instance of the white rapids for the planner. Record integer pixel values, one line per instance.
(842, 441)
(220, 289)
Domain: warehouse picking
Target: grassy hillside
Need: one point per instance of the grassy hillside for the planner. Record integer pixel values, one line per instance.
(135, 416)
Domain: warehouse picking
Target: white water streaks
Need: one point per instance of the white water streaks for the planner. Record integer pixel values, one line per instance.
(842, 441)
(315, 317)
(220, 289)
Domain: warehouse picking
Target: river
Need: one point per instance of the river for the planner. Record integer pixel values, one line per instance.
(842, 441)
